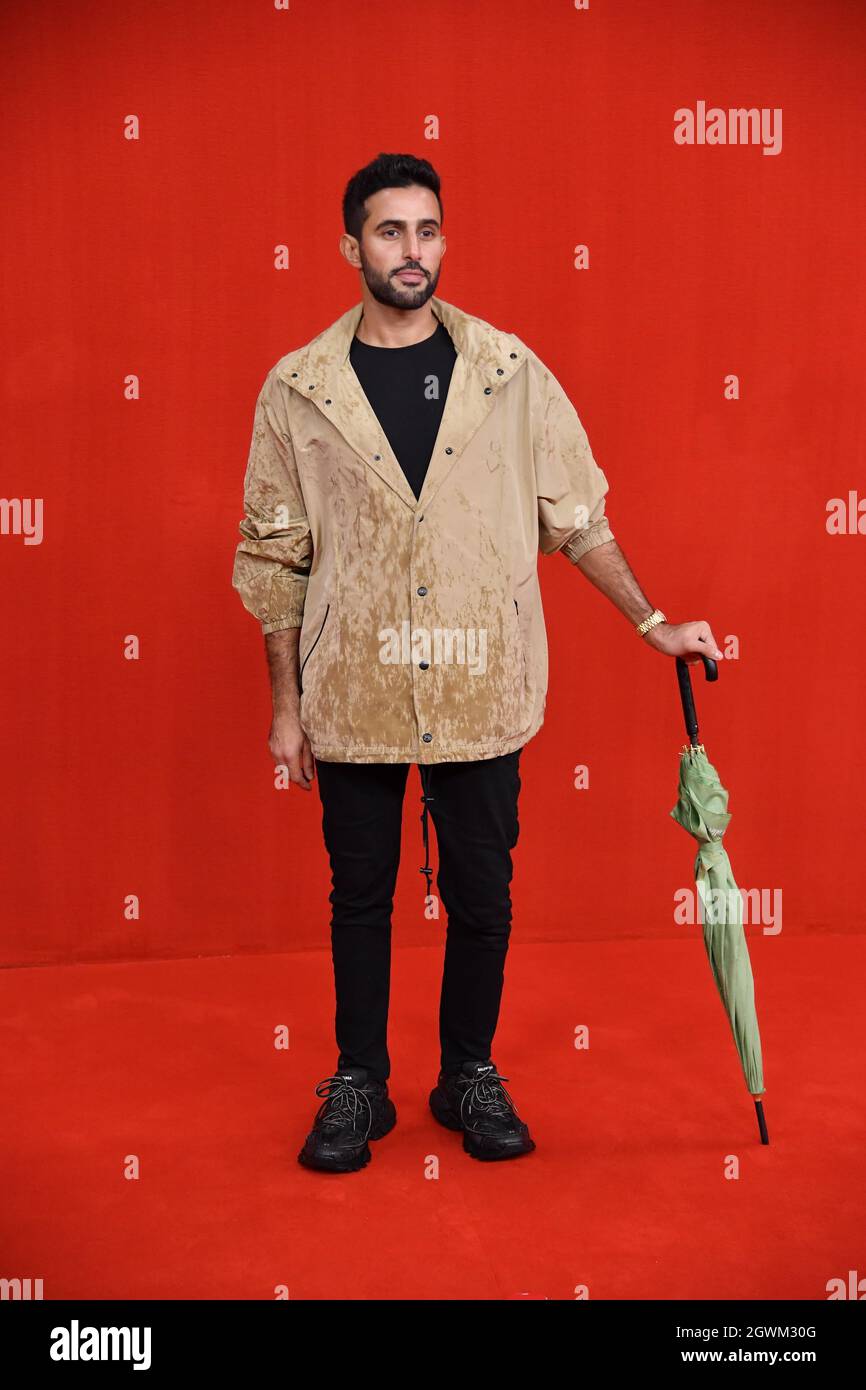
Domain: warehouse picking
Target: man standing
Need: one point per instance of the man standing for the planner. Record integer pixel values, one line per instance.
(406, 467)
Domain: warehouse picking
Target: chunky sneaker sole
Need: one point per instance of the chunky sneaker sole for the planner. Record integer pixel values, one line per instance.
(354, 1111)
(475, 1102)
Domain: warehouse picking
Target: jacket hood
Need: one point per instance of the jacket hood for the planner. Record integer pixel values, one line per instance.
(479, 342)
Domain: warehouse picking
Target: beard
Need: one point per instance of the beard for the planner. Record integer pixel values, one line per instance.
(386, 289)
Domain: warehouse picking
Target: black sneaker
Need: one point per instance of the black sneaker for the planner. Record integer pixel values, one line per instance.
(356, 1108)
(475, 1101)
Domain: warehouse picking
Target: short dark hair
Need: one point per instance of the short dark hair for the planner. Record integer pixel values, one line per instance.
(385, 171)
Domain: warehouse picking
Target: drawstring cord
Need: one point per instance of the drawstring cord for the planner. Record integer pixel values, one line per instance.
(424, 769)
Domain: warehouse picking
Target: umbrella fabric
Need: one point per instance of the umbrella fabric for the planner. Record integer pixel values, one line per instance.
(702, 810)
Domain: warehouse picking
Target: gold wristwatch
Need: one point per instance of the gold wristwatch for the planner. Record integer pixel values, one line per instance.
(656, 617)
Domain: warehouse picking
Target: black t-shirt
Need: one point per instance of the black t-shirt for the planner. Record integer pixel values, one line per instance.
(407, 388)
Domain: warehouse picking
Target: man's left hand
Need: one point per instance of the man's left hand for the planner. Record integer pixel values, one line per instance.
(691, 641)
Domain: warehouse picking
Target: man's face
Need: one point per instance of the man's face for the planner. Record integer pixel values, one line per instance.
(402, 231)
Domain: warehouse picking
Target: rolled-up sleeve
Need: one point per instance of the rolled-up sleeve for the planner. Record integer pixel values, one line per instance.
(272, 562)
(571, 487)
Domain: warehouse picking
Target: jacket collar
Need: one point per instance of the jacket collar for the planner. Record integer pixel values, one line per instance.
(322, 372)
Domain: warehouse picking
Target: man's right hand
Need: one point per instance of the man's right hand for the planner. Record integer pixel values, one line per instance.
(287, 741)
(290, 746)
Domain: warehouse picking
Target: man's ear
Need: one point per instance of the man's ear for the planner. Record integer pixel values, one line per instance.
(349, 250)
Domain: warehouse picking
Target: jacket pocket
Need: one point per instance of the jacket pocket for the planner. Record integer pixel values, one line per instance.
(312, 649)
(520, 642)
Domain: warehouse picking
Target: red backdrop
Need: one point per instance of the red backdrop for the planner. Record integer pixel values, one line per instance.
(155, 257)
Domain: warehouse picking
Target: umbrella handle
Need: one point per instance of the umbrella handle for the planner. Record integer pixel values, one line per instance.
(762, 1123)
(688, 699)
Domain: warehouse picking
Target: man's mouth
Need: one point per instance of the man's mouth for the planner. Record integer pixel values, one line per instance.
(411, 274)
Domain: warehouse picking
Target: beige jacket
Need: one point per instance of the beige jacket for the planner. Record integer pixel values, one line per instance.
(422, 631)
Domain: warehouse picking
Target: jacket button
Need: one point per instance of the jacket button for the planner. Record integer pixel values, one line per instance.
(512, 354)
(449, 450)
(499, 371)
(327, 402)
(294, 374)
(428, 738)
(311, 388)
(422, 590)
(423, 665)
(376, 458)
(487, 390)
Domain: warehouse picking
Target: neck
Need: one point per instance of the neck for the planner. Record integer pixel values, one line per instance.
(381, 325)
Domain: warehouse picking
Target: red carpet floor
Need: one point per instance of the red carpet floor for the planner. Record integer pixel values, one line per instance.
(627, 1193)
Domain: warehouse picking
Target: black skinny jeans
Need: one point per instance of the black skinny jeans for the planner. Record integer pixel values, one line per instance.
(473, 807)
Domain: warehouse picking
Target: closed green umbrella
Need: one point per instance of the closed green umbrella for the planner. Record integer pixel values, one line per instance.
(702, 810)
